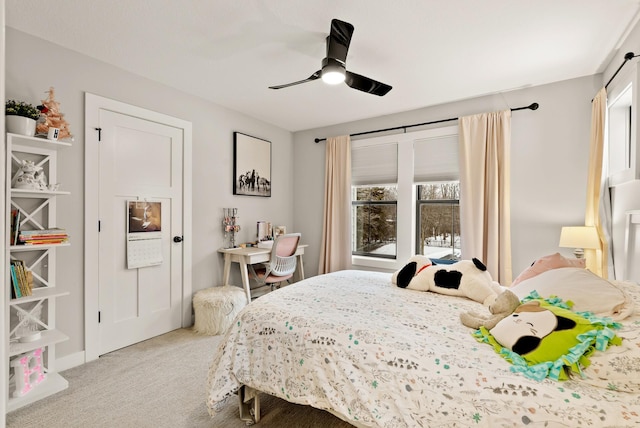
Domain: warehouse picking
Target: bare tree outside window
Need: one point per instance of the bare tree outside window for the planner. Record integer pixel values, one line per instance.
(374, 219)
(374, 211)
(438, 219)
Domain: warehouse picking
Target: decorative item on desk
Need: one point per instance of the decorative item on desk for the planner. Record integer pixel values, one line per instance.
(53, 118)
(265, 244)
(20, 117)
(265, 231)
(29, 176)
(230, 226)
(279, 230)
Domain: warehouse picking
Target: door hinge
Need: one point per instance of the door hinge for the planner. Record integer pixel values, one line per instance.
(98, 317)
(99, 133)
(99, 225)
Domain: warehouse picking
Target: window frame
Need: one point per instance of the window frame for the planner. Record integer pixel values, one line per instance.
(628, 80)
(406, 200)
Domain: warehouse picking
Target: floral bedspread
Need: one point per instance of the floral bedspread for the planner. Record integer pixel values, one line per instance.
(377, 355)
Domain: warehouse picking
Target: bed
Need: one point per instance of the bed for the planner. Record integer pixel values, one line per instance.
(376, 355)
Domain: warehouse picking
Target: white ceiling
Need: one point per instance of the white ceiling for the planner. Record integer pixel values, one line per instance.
(430, 51)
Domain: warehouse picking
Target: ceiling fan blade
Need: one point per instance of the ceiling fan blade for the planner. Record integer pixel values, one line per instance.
(365, 84)
(339, 39)
(313, 77)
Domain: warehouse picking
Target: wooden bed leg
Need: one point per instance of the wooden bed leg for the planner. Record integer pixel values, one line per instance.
(249, 412)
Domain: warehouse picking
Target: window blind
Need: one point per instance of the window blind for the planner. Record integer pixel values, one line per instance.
(436, 159)
(376, 164)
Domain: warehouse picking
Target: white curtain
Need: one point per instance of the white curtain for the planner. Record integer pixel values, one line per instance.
(596, 203)
(485, 217)
(335, 246)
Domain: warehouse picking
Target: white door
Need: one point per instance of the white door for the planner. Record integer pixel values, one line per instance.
(139, 160)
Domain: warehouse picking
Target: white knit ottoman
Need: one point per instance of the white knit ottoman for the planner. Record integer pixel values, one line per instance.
(216, 307)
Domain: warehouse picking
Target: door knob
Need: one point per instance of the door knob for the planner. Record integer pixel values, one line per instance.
(177, 239)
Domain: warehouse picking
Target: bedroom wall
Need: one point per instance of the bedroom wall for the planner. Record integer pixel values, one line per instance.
(33, 65)
(549, 160)
(550, 149)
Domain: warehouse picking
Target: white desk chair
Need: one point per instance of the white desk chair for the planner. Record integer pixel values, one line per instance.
(282, 263)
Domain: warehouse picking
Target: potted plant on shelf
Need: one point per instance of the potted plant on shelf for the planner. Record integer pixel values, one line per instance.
(21, 117)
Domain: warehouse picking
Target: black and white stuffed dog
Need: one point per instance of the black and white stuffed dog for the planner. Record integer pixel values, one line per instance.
(466, 278)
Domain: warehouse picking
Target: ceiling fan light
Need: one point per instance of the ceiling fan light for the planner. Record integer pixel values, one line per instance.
(333, 71)
(333, 77)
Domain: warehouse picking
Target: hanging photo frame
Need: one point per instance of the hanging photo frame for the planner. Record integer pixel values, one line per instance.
(251, 165)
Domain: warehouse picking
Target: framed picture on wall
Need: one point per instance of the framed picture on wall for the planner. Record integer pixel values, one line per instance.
(251, 165)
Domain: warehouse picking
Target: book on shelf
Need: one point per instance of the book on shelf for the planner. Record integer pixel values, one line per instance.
(43, 237)
(15, 226)
(21, 278)
(15, 289)
(36, 232)
(45, 242)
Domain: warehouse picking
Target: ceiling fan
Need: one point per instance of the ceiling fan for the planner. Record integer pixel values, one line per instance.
(334, 69)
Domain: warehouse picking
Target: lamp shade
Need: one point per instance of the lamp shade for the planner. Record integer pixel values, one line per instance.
(579, 237)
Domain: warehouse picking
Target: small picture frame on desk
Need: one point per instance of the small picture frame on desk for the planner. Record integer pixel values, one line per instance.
(279, 230)
(251, 166)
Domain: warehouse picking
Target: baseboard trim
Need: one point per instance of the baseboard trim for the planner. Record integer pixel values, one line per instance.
(70, 361)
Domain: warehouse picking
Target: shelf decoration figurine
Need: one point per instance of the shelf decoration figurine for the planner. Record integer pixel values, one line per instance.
(230, 226)
(51, 117)
(27, 329)
(29, 177)
(28, 371)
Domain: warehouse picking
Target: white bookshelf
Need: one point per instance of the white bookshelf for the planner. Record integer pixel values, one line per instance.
(38, 211)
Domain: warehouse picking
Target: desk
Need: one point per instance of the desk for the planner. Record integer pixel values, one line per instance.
(250, 256)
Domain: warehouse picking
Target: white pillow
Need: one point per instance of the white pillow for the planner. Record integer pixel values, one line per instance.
(586, 290)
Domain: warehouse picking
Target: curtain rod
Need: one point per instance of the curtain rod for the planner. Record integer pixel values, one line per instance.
(532, 106)
(627, 57)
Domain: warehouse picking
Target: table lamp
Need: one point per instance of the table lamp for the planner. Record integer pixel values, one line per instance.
(579, 238)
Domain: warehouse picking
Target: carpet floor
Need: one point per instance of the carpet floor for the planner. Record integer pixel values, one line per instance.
(158, 383)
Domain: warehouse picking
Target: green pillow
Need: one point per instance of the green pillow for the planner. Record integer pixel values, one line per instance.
(544, 338)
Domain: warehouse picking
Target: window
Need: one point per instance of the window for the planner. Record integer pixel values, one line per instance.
(374, 173)
(438, 220)
(387, 173)
(620, 132)
(374, 211)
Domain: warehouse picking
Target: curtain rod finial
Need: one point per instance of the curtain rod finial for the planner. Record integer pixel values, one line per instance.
(629, 55)
(534, 106)
(317, 140)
